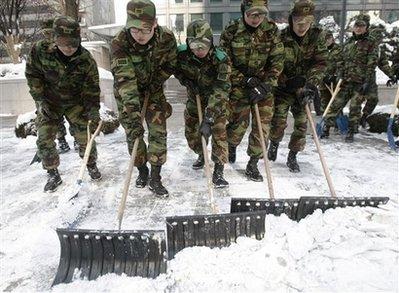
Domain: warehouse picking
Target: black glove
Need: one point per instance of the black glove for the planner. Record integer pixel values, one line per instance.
(364, 88)
(258, 90)
(44, 109)
(309, 94)
(92, 115)
(329, 79)
(294, 83)
(392, 80)
(206, 127)
(189, 84)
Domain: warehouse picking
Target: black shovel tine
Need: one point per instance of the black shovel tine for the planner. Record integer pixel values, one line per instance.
(308, 204)
(270, 206)
(96, 253)
(212, 230)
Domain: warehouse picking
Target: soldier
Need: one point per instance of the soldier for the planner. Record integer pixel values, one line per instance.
(330, 76)
(378, 33)
(63, 81)
(143, 58)
(205, 71)
(257, 55)
(359, 59)
(47, 32)
(305, 62)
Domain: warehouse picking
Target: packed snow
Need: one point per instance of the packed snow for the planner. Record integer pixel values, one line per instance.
(352, 249)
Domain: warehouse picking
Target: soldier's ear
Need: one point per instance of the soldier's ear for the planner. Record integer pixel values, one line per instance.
(155, 23)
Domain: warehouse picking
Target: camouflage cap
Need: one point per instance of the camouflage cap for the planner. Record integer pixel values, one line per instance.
(66, 31)
(140, 14)
(362, 19)
(303, 8)
(329, 34)
(251, 6)
(199, 29)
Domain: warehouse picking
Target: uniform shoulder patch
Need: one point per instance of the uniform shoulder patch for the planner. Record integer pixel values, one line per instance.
(220, 54)
(182, 48)
(122, 61)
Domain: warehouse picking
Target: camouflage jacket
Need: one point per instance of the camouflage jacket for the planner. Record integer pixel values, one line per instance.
(211, 76)
(308, 59)
(49, 79)
(259, 54)
(359, 59)
(334, 52)
(139, 68)
(383, 60)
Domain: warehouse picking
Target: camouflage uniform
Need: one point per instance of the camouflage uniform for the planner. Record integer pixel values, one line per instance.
(305, 58)
(47, 32)
(383, 65)
(254, 53)
(211, 76)
(63, 86)
(141, 70)
(359, 59)
(334, 52)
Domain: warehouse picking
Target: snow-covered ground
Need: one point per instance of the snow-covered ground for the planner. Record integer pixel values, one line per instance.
(344, 250)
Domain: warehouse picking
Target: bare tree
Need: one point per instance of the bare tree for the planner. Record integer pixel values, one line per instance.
(12, 27)
(66, 7)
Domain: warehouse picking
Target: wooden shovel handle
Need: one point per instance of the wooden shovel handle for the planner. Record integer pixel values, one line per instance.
(395, 104)
(334, 93)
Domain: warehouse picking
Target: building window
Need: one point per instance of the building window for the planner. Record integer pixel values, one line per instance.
(216, 22)
(195, 16)
(195, 1)
(177, 22)
(215, 1)
(178, 1)
(235, 15)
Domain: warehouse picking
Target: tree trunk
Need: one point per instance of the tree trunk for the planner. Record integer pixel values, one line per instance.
(13, 48)
(72, 9)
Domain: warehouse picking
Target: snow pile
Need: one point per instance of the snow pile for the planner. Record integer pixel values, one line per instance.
(343, 249)
(12, 71)
(328, 23)
(17, 71)
(25, 118)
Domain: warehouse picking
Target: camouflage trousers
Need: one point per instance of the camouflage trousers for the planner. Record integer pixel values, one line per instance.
(371, 100)
(155, 118)
(219, 136)
(325, 97)
(62, 132)
(47, 132)
(349, 92)
(239, 121)
(283, 104)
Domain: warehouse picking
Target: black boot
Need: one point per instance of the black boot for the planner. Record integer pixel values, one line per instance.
(217, 177)
(53, 181)
(252, 171)
(63, 145)
(272, 151)
(155, 184)
(292, 163)
(349, 137)
(199, 163)
(232, 153)
(325, 132)
(142, 179)
(93, 171)
(363, 120)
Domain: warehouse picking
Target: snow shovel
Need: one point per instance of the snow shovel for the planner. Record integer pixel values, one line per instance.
(272, 206)
(90, 140)
(334, 93)
(391, 139)
(93, 253)
(216, 230)
(308, 204)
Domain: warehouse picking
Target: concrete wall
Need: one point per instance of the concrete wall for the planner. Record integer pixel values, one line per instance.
(15, 98)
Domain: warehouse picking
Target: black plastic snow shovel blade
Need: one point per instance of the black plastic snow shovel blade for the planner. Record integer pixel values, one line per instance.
(89, 254)
(275, 207)
(218, 230)
(308, 204)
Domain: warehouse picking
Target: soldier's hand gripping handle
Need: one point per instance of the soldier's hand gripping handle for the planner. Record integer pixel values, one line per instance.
(258, 90)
